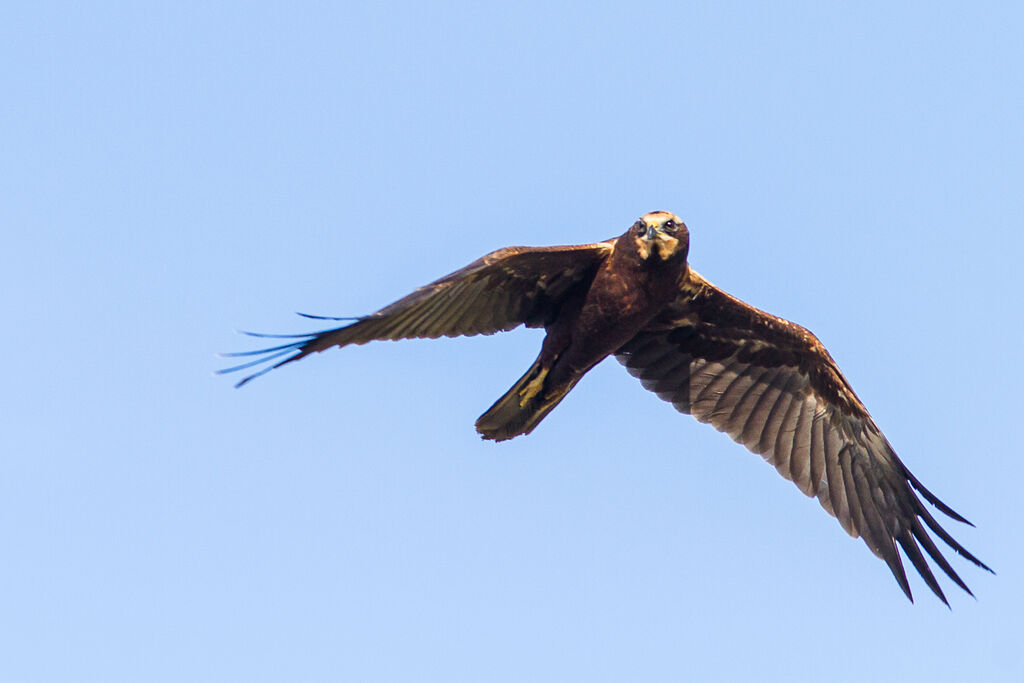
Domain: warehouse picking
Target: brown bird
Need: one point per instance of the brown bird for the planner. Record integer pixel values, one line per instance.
(766, 382)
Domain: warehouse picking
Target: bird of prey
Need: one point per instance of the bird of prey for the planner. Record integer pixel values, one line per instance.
(766, 382)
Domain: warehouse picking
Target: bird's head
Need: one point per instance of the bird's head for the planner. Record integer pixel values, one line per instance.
(660, 234)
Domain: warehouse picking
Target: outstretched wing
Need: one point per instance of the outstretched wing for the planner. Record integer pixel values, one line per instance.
(500, 291)
(771, 386)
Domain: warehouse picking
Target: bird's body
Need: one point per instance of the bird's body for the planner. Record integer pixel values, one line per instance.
(626, 293)
(766, 382)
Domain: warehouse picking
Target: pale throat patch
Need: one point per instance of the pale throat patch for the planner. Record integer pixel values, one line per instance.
(666, 247)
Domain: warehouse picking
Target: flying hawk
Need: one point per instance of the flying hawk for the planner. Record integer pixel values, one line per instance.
(766, 382)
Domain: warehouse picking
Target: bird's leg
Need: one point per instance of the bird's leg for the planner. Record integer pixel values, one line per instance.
(556, 341)
(532, 388)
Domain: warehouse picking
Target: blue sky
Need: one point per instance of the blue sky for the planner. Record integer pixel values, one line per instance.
(172, 173)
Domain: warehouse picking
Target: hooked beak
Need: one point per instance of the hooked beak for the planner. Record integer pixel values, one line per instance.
(651, 232)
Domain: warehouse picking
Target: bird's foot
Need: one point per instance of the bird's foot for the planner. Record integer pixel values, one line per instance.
(532, 388)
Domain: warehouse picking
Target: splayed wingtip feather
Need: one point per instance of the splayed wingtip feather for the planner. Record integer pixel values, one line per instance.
(329, 317)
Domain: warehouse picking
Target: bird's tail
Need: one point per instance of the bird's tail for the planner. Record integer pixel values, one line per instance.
(523, 406)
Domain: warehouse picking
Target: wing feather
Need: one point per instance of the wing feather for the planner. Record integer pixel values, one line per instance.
(500, 291)
(912, 551)
(782, 446)
(774, 388)
(819, 467)
(800, 466)
(759, 381)
(717, 378)
(725, 389)
(765, 419)
(839, 485)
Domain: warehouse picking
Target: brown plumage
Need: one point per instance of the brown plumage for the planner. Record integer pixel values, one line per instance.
(766, 382)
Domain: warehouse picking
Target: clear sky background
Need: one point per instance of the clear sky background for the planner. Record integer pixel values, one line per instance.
(171, 173)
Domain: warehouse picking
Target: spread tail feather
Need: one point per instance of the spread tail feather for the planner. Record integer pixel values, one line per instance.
(523, 406)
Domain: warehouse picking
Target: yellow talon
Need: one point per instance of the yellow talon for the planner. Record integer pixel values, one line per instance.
(532, 388)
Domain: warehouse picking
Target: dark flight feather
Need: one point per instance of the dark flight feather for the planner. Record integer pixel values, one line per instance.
(773, 387)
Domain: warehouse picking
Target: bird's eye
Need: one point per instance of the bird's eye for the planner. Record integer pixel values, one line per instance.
(640, 227)
(670, 225)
